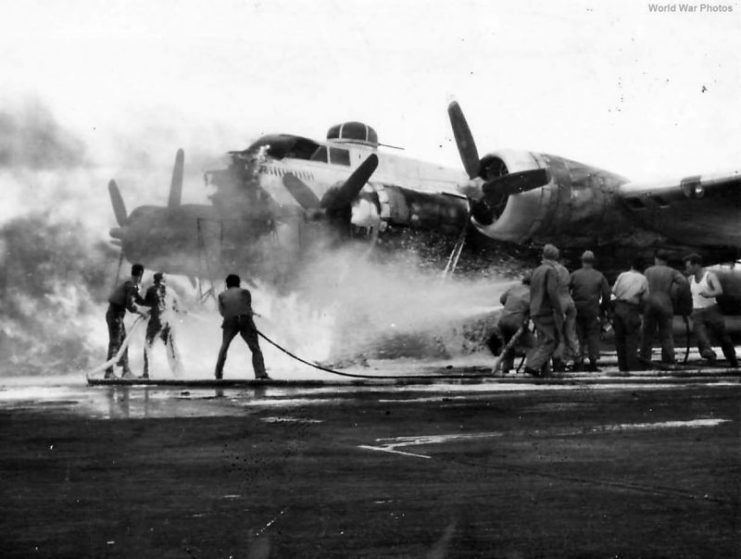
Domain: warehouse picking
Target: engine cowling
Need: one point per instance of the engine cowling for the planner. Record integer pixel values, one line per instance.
(578, 204)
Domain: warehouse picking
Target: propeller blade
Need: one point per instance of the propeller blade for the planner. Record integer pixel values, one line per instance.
(464, 140)
(301, 192)
(344, 195)
(515, 183)
(119, 208)
(176, 186)
(118, 269)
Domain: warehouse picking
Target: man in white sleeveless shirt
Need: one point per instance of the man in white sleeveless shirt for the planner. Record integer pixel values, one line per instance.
(706, 315)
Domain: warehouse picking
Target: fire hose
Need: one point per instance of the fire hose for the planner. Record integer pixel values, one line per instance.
(510, 344)
(139, 321)
(351, 375)
(125, 344)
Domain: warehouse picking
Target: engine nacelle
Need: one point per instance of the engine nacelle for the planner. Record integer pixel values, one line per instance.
(579, 204)
(408, 208)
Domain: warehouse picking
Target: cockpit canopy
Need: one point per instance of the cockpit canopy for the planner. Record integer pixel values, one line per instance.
(355, 132)
(280, 146)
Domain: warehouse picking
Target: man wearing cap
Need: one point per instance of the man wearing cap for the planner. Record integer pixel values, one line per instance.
(630, 292)
(124, 297)
(591, 294)
(706, 316)
(162, 303)
(235, 305)
(546, 312)
(663, 281)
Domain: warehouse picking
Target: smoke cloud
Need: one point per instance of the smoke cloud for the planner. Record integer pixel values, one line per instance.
(51, 287)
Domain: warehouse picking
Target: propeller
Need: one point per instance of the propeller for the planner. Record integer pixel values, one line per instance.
(119, 207)
(464, 140)
(495, 189)
(515, 183)
(335, 199)
(176, 185)
(301, 192)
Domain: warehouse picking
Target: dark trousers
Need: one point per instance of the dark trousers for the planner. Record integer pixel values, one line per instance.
(568, 341)
(244, 326)
(710, 321)
(116, 337)
(508, 330)
(587, 329)
(546, 341)
(626, 324)
(658, 319)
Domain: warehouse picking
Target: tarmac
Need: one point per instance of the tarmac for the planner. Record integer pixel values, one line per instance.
(434, 462)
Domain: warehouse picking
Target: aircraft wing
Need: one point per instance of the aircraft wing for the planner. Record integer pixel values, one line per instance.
(699, 210)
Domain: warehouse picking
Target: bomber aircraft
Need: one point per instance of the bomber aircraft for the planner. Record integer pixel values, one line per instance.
(275, 195)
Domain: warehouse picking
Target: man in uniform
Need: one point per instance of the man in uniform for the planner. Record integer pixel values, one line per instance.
(706, 315)
(516, 301)
(663, 282)
(546, 312)
(235, 305)
(591, 294)
(568, 344)
(124, 297)
(630, 291)
(161, 302)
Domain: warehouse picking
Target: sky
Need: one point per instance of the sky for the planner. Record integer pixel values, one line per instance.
(608, 83)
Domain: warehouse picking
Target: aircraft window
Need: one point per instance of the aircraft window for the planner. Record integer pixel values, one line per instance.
(320, 154)
(284, 145)
(339, 156)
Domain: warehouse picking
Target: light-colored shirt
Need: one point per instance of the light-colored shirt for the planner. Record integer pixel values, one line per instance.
(697, 287)
(630, 287)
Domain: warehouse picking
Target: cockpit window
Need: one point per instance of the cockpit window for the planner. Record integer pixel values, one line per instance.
(320, 154)
(284, 145)
(339, 156)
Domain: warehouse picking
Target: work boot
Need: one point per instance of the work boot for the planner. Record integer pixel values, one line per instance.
(262, 376)
(219, 375)
(532, 372)
(145, 375)
(109, 374)
(558, 366)
(592, 367)
(128, 374)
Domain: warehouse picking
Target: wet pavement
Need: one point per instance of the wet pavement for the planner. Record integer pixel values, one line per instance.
(599, 465)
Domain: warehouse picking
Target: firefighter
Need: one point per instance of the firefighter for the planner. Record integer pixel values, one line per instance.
(235, 305)
(591, 294)
(161, 303)
(124, 297)
(706, 315)
(546, 312)
(663, 285)
(630, 291)
(516, 301)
